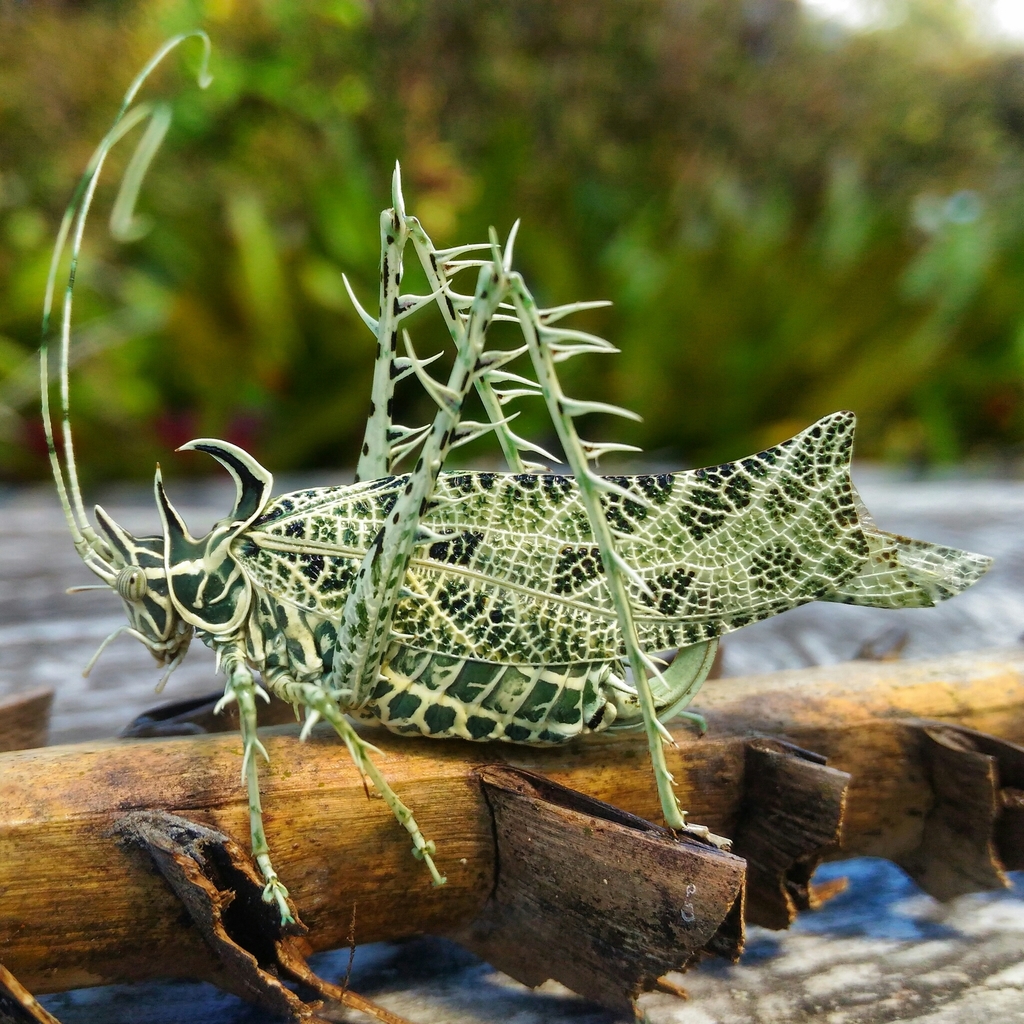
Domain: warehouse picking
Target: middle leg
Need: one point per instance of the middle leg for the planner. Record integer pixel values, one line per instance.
(321, 705)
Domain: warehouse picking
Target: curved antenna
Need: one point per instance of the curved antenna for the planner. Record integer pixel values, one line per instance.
(89, 545)
(124, 225)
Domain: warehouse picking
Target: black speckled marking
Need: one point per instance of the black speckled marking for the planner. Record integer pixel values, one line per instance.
(517, 580)
(403, 705)
(438, 718)
(480, 727)
(535, 706)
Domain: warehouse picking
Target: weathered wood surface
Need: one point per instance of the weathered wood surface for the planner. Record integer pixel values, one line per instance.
(585, 894)
(597, 899)
(25, 719)
(73, 898)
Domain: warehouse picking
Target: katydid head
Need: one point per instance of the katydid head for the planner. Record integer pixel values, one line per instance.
(175, 584)
(140, 580)
(172, 585)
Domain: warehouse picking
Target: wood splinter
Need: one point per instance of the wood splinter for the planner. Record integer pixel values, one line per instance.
(791, 816)
(25, 719)
(222, 892)
(18, 1005)
(974, 832)
(596, 898)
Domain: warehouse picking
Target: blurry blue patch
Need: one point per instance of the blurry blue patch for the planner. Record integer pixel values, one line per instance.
(154, 1003)
(872, 905)
(377, 964)
(869, 907)
(761, 945)
(441, 968)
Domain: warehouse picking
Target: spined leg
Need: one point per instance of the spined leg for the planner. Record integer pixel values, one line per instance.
(242, 688)
(322, 705)
(548, 346)
(669, 803)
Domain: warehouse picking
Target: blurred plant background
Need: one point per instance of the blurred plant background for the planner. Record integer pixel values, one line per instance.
(791, 217)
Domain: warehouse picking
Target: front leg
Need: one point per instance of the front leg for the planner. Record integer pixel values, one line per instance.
(242, 688)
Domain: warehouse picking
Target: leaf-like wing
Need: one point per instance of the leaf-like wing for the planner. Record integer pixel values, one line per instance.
(511, 573)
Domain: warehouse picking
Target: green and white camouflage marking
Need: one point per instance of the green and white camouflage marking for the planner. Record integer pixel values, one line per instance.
(511, 632)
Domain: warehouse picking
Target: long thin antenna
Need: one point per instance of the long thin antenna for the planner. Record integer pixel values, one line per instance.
(87, 542)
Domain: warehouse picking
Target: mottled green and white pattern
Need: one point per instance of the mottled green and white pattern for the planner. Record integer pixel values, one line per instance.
(507, 630)
(517, 579)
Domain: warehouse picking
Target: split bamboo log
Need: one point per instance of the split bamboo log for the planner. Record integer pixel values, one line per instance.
(78, 907)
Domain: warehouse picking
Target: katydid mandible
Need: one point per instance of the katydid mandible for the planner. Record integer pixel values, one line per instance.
(518, 606)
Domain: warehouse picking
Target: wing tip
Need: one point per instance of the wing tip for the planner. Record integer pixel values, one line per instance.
(935, 572)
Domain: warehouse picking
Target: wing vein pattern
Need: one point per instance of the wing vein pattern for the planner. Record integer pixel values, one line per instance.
(518, 579)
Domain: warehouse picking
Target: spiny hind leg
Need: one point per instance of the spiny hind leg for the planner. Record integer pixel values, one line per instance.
(242, 688)
(624, 700)
(674, 815)
(321, 704)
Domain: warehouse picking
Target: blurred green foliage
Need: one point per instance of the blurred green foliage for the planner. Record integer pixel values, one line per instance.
(790, 219)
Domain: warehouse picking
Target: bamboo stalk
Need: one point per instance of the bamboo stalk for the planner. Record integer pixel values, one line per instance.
(77, 908)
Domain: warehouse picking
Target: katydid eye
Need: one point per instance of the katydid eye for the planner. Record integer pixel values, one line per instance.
(131, 583)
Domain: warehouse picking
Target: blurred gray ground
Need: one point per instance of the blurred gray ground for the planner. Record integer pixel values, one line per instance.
(881, 952)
